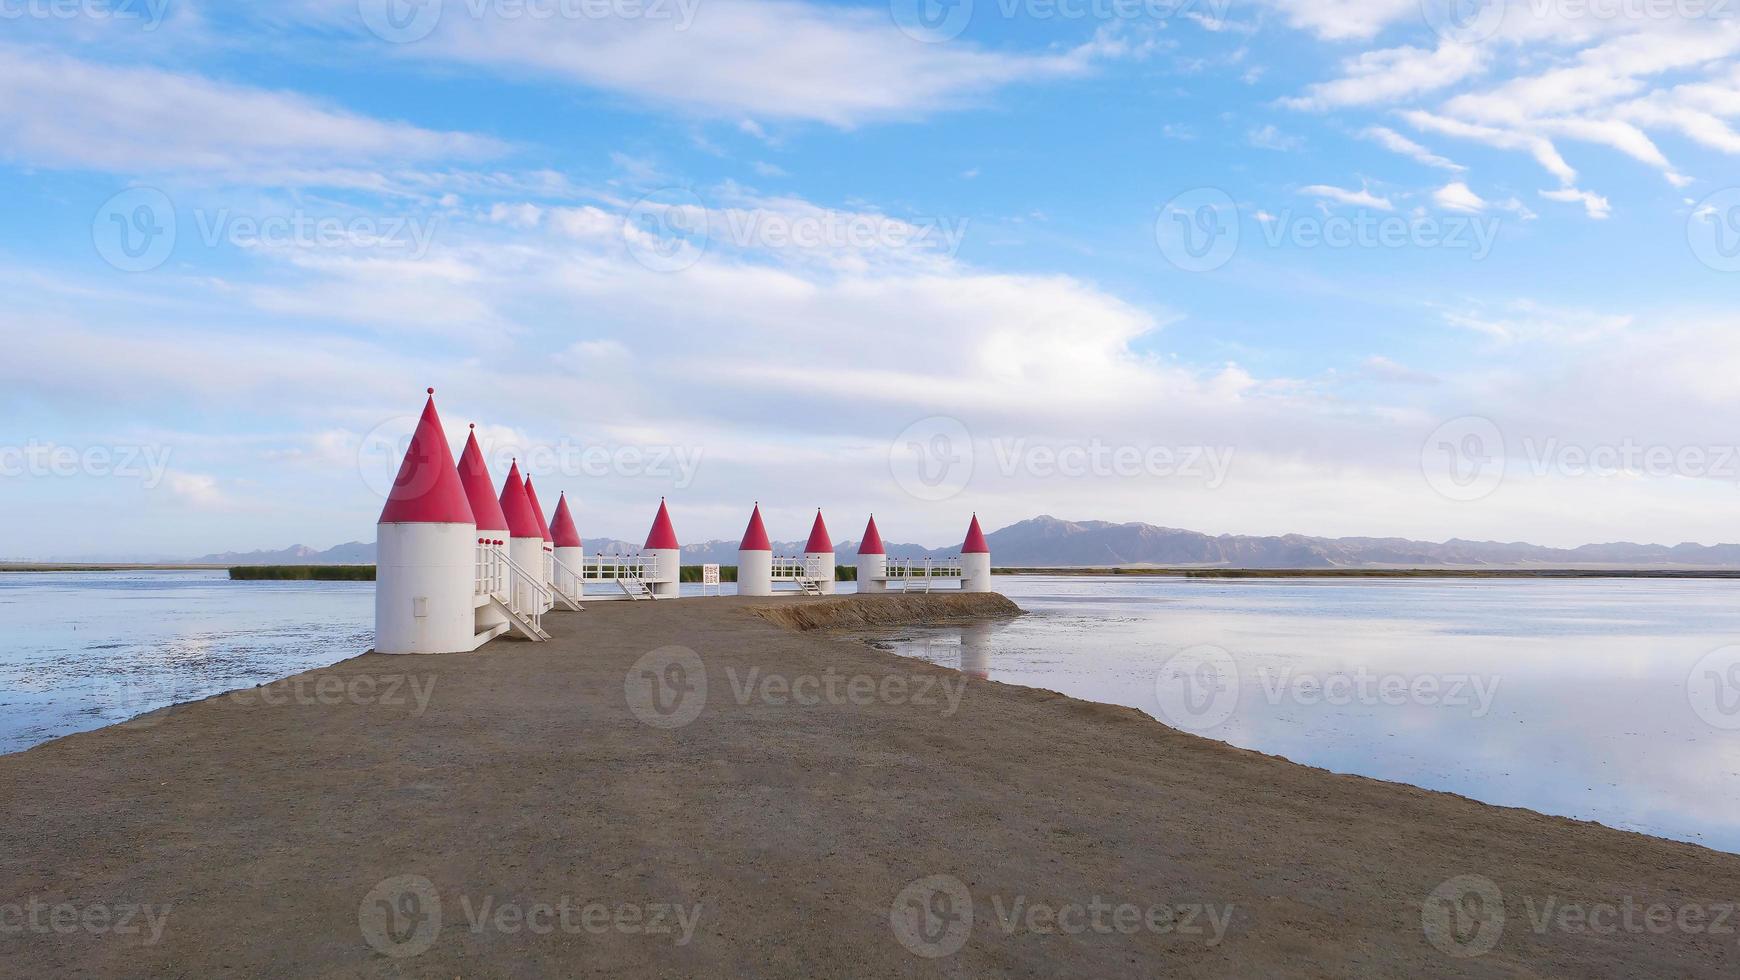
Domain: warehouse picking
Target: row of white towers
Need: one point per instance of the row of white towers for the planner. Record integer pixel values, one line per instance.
(441, 515)
(755, 559)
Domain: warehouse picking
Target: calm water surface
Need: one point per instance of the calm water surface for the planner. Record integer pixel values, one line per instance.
(1568, 697)
(80, 650)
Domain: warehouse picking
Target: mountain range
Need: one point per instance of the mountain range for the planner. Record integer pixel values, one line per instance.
(1050, 542)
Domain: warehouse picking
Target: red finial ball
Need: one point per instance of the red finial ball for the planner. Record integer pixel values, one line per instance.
(431, 391)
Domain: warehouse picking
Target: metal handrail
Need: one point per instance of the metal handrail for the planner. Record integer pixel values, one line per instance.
(612, 568)
(540, 592)
(557, 563)
(488, 578)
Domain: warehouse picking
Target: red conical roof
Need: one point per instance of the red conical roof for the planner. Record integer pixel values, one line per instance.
(427, 489)
(479, 489)
(755, 537)
(819, 542)
(872, 543)
(521, 521)
(975, 543)
(562, 529)
(537, 510)
(662, 535)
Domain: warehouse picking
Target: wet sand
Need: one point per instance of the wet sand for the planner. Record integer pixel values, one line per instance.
(578, 808)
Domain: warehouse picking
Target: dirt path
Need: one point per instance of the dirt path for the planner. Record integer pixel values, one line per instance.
(510, 813)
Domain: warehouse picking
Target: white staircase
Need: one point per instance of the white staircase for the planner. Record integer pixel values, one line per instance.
(636, 589)
(499, 578)
(557, 565)
(809, 586)
(526, 626)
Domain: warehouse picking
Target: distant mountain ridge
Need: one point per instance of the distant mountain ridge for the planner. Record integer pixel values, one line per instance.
(1047, 541)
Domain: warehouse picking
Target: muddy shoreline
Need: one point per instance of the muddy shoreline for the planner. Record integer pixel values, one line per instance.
(687, 789)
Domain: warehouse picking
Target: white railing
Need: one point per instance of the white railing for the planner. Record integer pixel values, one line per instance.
(797, 568)
(614, 568)
(558, 565)
(922, 571)
(531, 597)
(491, 575)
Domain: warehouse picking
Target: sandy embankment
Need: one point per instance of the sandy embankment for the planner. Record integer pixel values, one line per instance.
(559, 798)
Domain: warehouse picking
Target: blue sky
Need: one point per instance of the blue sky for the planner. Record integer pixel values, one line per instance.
(1438, 261)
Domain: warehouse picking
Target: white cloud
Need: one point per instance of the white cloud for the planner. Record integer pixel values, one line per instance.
(60, 111)
(1361, 198)
(1268, 137)
(1395, 142)
(1539, 147)
(1594, 204)
(1340, 20)
(1457, 197)
(198, 489)
(1391, 74)
(761, 59)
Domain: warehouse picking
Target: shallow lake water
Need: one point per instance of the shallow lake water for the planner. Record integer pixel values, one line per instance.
(81, 650)
(1614, 700)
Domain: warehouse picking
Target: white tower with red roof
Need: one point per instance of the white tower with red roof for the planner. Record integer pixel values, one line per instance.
(525, 543)
(546, 567)
(662, 547)
(755, 558)
(570, 550)
(492, 529)
(975, 560)
(819, 556)
(872, 560)
(426, 549)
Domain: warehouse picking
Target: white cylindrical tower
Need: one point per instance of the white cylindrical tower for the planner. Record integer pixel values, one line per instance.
(755, 558)
(491, 522)
(662, 547)
(525, 544)
(425, 551)
(819, 556)
(872, 560)
(975, 560)
(570, 551)
(546, 567)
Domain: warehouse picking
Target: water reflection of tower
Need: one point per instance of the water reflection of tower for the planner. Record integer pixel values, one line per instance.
(976, 651)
